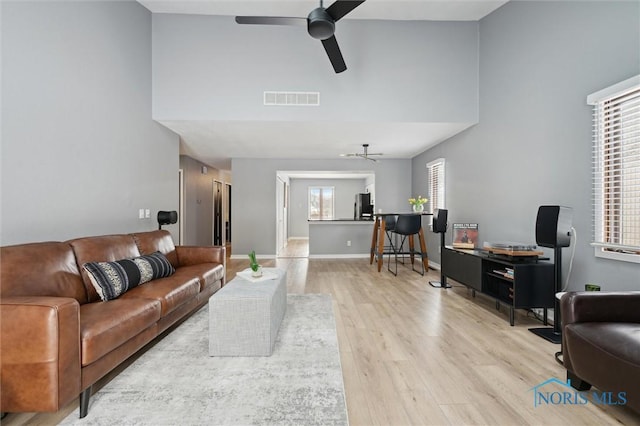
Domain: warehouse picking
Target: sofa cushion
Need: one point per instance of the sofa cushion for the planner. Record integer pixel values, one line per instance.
(23, 266)
(208, 273)
(104, 326)
(171, 292)
(153, 241)
(597, 342)
(111, 279)
(606, 355)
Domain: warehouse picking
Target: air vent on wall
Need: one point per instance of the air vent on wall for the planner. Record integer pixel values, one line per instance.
(292, 98)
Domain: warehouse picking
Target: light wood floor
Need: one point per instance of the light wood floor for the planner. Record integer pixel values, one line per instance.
(417, 355)
(298, 247)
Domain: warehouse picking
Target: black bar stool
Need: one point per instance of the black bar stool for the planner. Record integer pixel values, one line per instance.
(389, 226)
(406, 225)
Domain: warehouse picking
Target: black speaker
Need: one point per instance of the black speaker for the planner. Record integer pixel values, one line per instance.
(166, 218)
(553, 226)
(439, 222)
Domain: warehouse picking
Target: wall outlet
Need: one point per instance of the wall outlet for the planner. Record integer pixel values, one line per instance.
(348, 243)
(141, 214)
(147, 213)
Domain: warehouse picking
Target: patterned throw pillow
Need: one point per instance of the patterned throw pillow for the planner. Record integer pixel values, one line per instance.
(112, 279)
(160, 265)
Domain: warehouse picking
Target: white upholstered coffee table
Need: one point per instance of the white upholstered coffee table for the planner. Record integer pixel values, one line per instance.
(245, 314)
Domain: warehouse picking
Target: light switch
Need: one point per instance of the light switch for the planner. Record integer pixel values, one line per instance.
(141, 214)
(147, 213)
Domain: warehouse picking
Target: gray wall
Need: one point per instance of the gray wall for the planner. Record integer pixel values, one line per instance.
(210, 68)
(532, 146)
(254, 223)
(344, 198)
(80, 153)
(421, 72)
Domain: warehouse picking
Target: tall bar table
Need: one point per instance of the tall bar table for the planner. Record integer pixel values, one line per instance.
(377, 240)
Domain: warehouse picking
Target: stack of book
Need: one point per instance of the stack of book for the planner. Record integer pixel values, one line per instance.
(507, 272)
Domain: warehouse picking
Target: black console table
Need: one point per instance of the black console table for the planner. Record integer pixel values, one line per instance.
(519, 283)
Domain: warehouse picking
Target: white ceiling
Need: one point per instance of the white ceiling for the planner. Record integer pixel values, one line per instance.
(216, 142)
(404, 10)
(213, 141)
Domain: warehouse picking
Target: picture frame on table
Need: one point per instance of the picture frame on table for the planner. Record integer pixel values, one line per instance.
(465, 235)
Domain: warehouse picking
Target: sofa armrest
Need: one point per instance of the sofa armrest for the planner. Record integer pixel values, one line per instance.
(194, 255)
(595, 306)
(39, 353)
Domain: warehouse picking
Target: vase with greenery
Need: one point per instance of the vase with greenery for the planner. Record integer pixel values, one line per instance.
(256, 269)
(418, 203)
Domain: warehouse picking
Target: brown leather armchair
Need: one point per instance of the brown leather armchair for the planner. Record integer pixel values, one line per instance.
(601, 342)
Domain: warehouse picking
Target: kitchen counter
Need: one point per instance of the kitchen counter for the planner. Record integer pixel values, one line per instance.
(351, 221)
(340, 238)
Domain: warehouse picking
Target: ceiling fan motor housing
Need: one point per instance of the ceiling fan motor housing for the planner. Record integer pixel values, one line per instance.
(320, 24)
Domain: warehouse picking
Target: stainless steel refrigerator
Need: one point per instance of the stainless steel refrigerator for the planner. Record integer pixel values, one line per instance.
(362, 207)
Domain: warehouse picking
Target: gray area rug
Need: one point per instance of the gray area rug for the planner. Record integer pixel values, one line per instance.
(177, 383)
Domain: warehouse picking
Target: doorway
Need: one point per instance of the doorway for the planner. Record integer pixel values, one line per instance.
(218, 233)
(281, 215)
(292, 204)
(180, 207)
(286, 247)
(227, 213)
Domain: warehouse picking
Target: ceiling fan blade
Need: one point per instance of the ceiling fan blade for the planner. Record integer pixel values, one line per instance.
(271, 20)
(340, 8)
(333, 51)
(366, 157)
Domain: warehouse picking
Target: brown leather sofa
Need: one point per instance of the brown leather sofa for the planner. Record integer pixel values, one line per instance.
(601, 342)
(58, 338)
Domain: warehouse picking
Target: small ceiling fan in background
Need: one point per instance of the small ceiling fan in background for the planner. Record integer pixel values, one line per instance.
(364, 154)
(320, 25)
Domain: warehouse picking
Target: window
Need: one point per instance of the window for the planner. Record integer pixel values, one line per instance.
(321, 202)
(435, 172)
(616, 171)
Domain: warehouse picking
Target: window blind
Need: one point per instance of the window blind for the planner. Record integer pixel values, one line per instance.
(435, 171)
(616, 168)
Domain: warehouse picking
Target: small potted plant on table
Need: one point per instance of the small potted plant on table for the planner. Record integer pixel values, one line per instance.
(256, 269)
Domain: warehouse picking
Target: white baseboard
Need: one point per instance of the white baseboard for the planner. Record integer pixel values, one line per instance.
(432, 265)
(259, 256)
(339, 256)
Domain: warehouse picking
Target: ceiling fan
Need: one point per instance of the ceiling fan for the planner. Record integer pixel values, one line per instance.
(365, 154)
(320, 25)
